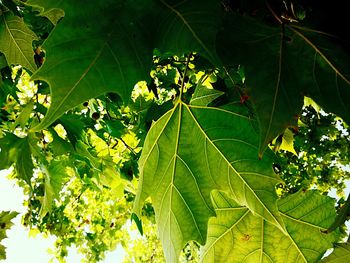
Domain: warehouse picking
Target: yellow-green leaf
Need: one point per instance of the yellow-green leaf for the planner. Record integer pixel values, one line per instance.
(191, 151)
(236, 235)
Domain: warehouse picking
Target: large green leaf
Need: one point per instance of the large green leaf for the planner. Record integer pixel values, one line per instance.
(189, 152)
(236, 235)
(282, 64)
(5, 224)
(85, 59)
(16, 41)
(341, 254)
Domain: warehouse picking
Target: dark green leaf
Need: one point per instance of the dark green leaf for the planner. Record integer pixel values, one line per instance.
(113, 54)
(24, 163)
(282, 64)
(8, 150)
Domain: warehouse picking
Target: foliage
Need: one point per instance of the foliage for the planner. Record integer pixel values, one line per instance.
(321, 153)
(181, 99)
(5, 224)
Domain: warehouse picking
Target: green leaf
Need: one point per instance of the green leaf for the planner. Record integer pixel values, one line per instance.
(8, 150)
(58, 145)
(191, 151)
(15, 150)
(45, 9)
(114, 127)
(24, 163)
(203, 96)
(24, 116)
(113, 54)
(16, 41)
(3, 62)
(238, 235)
(108, 56)
(340, 254)
(288, 142)
(282, 64)
(55, 177)
(187, 26)
(5, 224)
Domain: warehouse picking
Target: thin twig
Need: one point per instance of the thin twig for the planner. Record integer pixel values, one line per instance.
(184, 76)
(128, 146)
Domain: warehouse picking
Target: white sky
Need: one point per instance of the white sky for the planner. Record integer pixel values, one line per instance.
(22, 248)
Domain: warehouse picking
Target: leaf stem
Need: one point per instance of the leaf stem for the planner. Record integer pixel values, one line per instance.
(184, 76)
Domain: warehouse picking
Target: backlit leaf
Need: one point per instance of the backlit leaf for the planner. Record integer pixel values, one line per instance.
(15, 150)
(55, 176)
(16, 41)
(282, 64)
(236, 235)
(191, 151)
(115, 53)
(202, 96)
(340, 254)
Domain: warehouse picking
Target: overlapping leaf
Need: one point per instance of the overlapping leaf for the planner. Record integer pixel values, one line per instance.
(5, 224)
(283, 64)
(55, 176)
(340, 254)
(204, 96)
(236, 235)
(15, 150)
(48, 9)
(188, 153)
(88, 54)
(16, 41)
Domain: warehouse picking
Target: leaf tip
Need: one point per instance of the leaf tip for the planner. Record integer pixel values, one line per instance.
(138, 222)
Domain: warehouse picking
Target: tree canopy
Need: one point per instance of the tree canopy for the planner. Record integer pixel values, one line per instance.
(213, 128)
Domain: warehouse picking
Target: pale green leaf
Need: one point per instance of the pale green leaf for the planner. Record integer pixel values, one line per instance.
(341, 254)
(191, 151)
(236, 235)
(288, 142)
(16, 41)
